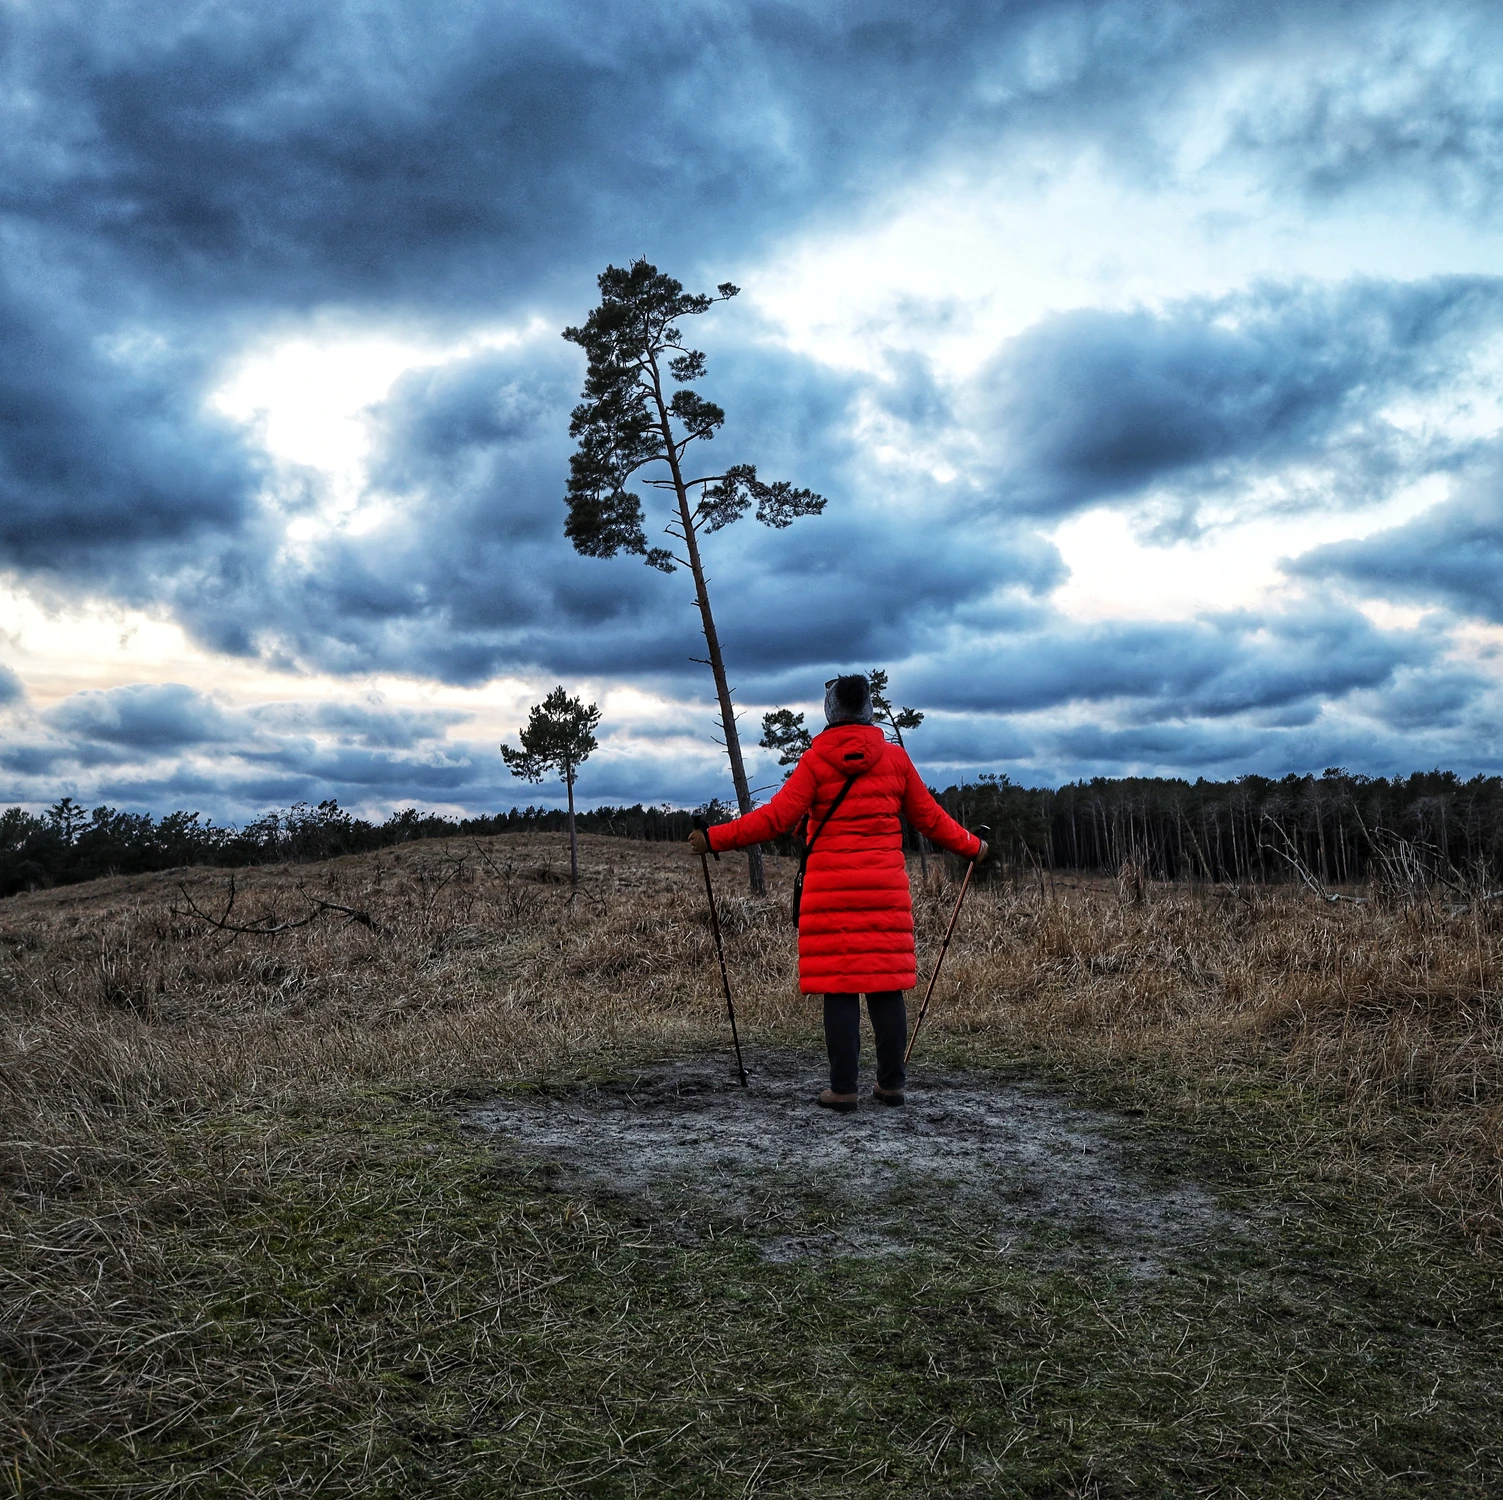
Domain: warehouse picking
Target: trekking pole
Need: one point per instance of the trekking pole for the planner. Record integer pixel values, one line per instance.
(725, 979)
(965, 885)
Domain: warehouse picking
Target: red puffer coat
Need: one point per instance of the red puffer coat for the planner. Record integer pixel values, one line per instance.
(855, 931)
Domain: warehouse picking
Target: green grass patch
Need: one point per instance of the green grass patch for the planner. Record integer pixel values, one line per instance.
(374, 1304)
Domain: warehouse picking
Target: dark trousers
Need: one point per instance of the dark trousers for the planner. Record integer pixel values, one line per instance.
(843, 1038)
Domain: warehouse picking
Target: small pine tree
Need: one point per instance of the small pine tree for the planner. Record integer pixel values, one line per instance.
(783, 731)
(883, 712)
(558, 736)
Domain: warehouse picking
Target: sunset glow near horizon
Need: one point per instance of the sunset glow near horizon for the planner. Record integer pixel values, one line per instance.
(1150, 357)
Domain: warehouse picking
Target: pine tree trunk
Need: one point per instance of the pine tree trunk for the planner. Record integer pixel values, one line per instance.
(755, 872)
(573, 847)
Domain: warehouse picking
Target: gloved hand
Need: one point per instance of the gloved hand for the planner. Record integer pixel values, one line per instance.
(699, 842)
(981, 853)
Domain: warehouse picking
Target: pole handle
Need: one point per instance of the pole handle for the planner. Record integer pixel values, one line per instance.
(703, 827)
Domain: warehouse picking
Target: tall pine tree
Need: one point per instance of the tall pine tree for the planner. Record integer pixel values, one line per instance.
(630, 420)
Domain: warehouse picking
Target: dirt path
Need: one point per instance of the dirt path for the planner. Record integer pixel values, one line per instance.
(966, 1152)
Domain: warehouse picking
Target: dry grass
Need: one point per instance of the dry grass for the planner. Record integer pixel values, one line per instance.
(487, 969)
(1360, 1043)
(1382, 1022)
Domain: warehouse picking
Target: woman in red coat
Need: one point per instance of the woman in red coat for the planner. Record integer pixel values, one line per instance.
(855, 933)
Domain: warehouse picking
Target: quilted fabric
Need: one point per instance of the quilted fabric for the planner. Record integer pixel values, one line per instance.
(856, 925)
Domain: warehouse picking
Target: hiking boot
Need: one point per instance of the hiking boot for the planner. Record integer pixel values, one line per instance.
(844, 1104)
(887, 1096)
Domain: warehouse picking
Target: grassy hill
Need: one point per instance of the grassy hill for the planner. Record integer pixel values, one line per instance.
(252, 1244)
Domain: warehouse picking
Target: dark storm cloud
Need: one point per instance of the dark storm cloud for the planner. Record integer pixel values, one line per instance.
(178, 172)
(184, 169)
(1213, 667)
(170, 718)
(154, 747)
(468, 561)
(144, 716)
(1437, 698)
(1405, 104)
(1233, 747)
(469, 574)
(1294, 690)
(104, 450)
(1451, 556)
(1205, 748)
(175, 180)
(341, 151)
(367, 726)
(1363, 732)
(1090, 406)
(159, 745)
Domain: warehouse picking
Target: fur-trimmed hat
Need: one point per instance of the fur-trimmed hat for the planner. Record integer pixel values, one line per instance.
(848, 700)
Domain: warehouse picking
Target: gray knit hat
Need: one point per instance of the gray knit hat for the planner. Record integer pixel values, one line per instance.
(848, 700)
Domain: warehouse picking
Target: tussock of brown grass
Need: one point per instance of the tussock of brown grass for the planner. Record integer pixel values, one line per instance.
(1387, 1019)
(487, 968)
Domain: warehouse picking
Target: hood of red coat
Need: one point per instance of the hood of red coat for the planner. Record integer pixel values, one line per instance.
(850, 749)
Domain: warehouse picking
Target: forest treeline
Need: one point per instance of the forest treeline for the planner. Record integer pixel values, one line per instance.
(69, 843)
(1337, 828)
(1334, 829)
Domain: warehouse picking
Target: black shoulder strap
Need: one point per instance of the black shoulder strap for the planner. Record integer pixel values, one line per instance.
(850, 781)
(803, 859)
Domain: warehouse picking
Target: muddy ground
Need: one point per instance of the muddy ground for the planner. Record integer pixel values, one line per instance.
(967, 1154)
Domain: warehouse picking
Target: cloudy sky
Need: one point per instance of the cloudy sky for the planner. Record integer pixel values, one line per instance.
(1150, 355)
